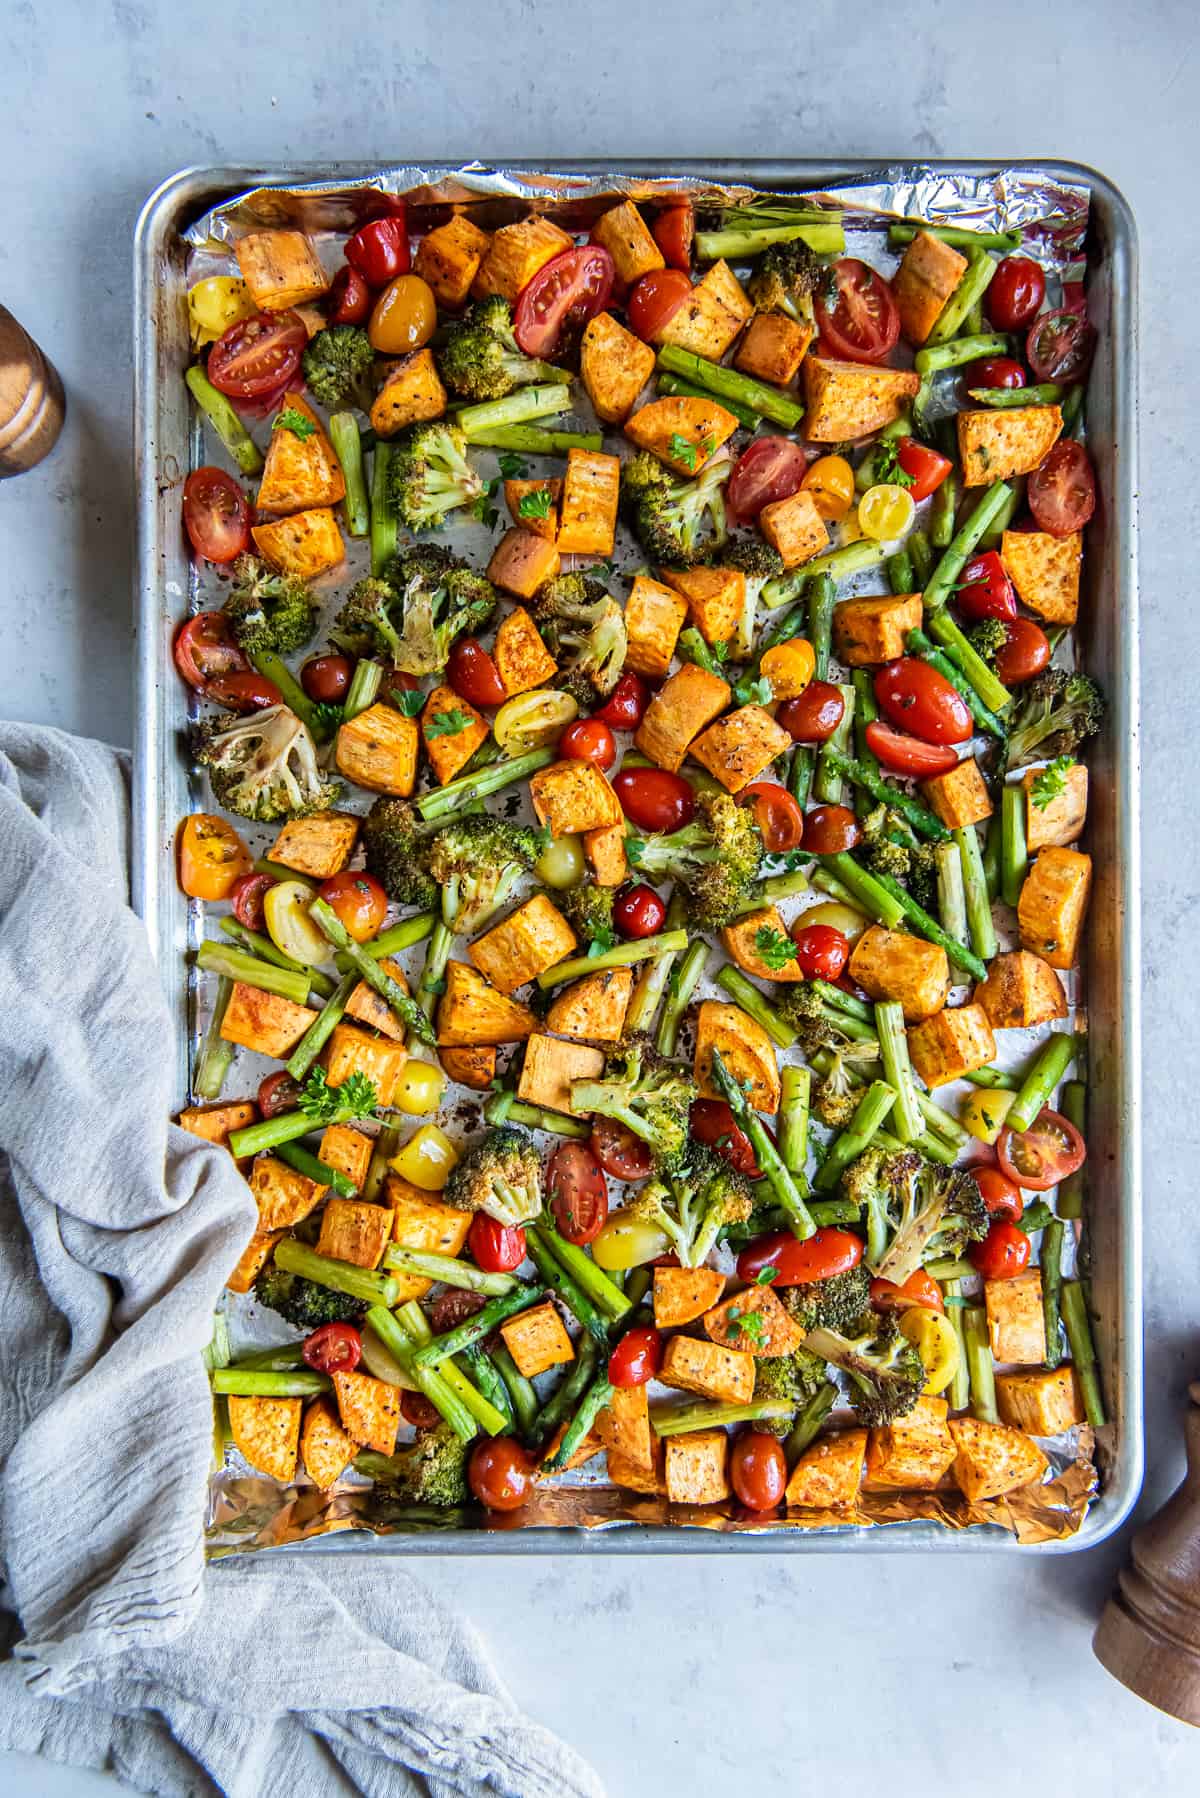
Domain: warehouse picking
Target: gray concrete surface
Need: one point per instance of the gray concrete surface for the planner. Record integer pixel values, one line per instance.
(677, 1677)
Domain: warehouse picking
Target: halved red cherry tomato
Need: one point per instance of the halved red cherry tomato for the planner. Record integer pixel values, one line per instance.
(655, 301)
(638, 913)
(497, 1248)
(561, 297)
(901, 754)
(828, 1252)
(821, 951)
(349, 298)
(828, 829)
(576, 1193)
(334, 1348)
(473, 674)
(257, 355)
(917, 698)
(654, 798)
(926, 467)
(588, 740)
(1003, 1254)
(1044, 1154)
(623, 708)
(326, 679)
(358, 901)
(246, 897)
(501, 1474)
(777, 815)
(856, 314)
(1002, 1196)
(205, 647)
(1062, 490)
(1059, 346)
(211, 856)
(814, 715)
(636, 1358)
(249, 692)
(1025, 654)
(674, 229)
(1015, 293)
(453, 1307)
(619, 1152)
(986, 591)
(758, 1471)
(278, 1093)
(712, 1123)
(379, 250)
(216, 515)
(769, 469)
(419, 1411)
(994, 371)
(920, 1288)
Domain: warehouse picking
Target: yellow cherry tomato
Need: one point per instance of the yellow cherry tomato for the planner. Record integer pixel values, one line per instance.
(285, 908)
(836, 917)
(984, 1111)
(405, 316)
(211, 856)
(419, 1089)
(886, 512)
(214, 304)
(561, 865)
(830, 480)
(789, 667)
(532, 720)
(627, 1241)
(934, 1338)
(427, 1159)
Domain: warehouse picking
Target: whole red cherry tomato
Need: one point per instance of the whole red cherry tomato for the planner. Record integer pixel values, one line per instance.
(920, 1288)
(1059, 346)
(915, 697)
(205, 647)
(769, 469)
(216, 515)
(358, 901)
(777, 814)
(814, 715)
(1002, 1196)
(576, 1193)
(326, 679)
(819, 1257)
(638, 913)
(636, 1358)
(1015, 294)
(619, 1152)
(473, 674)
(249, 692)
(349, 298)
(712, 1123)
(334, 1348)
(655, 301)
(278, 1093)
(257, 356)
(1044, 1154)
(674, 229)
(496, 1248)
(758, 1471)
(379, 250)
(556, 303)
(246, 897)
(1062, 489)
(925, 466)
(654, 798)
(500, 1473)
(1003, 1254)
(828, 829)
(901, 754)
(588, 740)
(1025, 654)
(623, 708)
(986, 591)
(856, 314)
(419, 1411)
(994, 371)
(821, 951)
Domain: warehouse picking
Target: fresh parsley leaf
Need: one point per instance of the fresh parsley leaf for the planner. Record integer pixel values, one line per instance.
(886, 465)
(1050, 782)
(746, 1323)
(754, 692)
(634, 850)
(680, 450)
(772, 947)
(765, 1275)
(324, 1104)
(536, 503)
(447, 724)
(408, 702)
(485, 511)
(513, 468)
(603, 939)
(329, 715)
(290, 419)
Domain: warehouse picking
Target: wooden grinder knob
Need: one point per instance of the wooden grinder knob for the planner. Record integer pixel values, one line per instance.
(1149, 1635)
(31, 400)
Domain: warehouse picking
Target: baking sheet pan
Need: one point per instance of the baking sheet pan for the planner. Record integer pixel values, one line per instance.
(165, 449)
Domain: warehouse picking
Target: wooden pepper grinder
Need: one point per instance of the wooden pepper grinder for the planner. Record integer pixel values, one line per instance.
(31, 400)
(1149, 1635)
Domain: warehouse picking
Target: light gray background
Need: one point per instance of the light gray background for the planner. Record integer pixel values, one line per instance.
(678, 1677)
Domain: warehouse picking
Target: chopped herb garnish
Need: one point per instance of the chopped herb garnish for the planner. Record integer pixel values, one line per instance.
(765, 1275)
(1050, 782)
(290, 419)
(447, 724)
(772, 947)
(887, 467)
(680, 450)
(513, 468)
(409, 702)
(536, 503)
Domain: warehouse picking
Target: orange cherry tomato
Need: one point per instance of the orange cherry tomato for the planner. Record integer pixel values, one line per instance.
(404, 318)
(359, 903)
(212, 857)
(920, 1288)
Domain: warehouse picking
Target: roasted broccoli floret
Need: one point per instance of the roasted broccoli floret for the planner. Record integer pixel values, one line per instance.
(336, 364)
(889, 847)
(885, 1371)
(269, 611)
(396, 843)
(302, 1302)
(481, 358)
(928, 1212)
(500, 1175)
(753, 558)
(832, 1304)
(432, 1470)
(715, 858)
(590, 909)
(835, 1095)
(694, 1203)
(785, 278)
(988, 637)
(429, 475)
(669, 517)
(1053, 715)
(428, 598)
(584, 629)
(818, 1025)
(477, 862)
(265, 766)
(795, 1378)
(652, 1097)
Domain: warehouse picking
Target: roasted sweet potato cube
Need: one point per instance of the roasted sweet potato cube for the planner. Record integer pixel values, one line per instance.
(533, 506)
(370, 1007)
(306, 544)
(913, 1453)
(959, 797)
(1053, 903)
(549, 1068)
(252, 1260)
(951, 1043)
(929, 272)
(681, 432)
(794, 528)
(866, 631)
(708, 1368)
(573, 796)
(348, 1150)
(471, 1012)
(633, 1476)
(739, 747)
(592, 1010)
(475, 1068)
(588, 511)
(1021, 990)
(715, 598)
(845, 400)
(586, 1450)
(625, 235)
(215, 1122)
(709, 320)
(266, 1432)
(378, 750)
(521, 561)
(675, 717)
(448, 258)
(536, 1339)
(369, 1410)
(280, 268)
(1042, 1401)
(412, 393)
(995, 445)
(422, 1221)
(746, 1050)
(695, 1468)
(522, 660)
(1016, 1322)
(1045, 572)
(319, 846)
(654, 616)
(753, 1320)
(615, 366)
(827, 1477)
(890, 964)
(1053, 822)
(352, 1230)
(523, 945)
(451, 730)
(605, 851)
(682, 1294)
(993, 1458)
(624, 1425)
(325, 1447)
(301, 468)
(515, 255)
(740, 942)
(773, 348)
(354, 1051)
(263, 1021)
